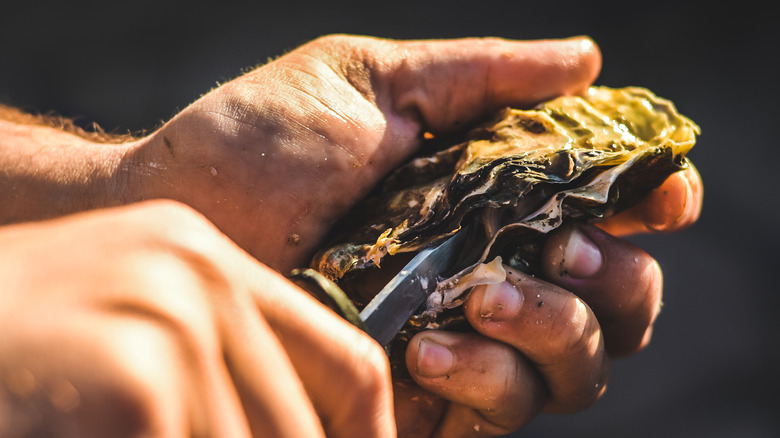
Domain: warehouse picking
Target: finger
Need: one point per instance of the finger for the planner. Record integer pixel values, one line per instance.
(498, 389)
(273, 396)
(551, 327)
(239, 378)
(673, 206)
(345, 372)
(449, 84)
(417, 411)
(463, 421)
(619, 281)
(106, 382)
(338, 369)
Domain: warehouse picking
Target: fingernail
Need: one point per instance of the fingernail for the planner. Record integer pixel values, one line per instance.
(581, 257)
(500, 301)
(434, 359)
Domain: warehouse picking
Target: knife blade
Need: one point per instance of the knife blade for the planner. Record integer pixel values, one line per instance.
(391, 308)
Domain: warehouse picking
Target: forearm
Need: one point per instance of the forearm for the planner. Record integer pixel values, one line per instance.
(48, 171)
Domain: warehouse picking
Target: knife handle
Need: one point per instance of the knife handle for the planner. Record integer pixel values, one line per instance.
(328, 293)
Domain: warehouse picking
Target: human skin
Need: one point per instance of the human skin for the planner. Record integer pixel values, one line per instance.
(145, 320)
(275, 157)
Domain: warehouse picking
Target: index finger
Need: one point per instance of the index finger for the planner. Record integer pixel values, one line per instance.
(345, 372)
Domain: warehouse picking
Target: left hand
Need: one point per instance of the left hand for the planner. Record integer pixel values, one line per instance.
(276, 156)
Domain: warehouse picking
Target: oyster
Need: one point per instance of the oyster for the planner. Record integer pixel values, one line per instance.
(514, 179)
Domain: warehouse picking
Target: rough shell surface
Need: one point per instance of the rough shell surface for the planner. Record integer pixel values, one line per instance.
(522, 174)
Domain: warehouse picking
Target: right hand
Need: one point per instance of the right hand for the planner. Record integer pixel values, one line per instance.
(147, 321)
(546, 342)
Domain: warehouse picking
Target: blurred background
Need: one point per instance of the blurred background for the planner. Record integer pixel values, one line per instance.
(711, 370)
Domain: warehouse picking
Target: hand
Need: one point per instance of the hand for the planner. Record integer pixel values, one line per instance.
(146, 321)
(276, 156)
(279, 154)
(546, 343)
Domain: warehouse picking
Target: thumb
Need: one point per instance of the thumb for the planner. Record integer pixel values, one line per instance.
(448, 84)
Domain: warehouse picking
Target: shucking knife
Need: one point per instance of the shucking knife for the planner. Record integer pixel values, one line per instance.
(388, 311)
(391, 308)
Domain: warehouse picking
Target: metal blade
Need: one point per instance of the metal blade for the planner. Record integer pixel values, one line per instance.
(389, 310)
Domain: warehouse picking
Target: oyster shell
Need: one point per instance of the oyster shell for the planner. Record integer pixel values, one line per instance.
(514, 179)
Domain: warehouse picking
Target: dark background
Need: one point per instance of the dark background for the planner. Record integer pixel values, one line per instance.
(710, 370)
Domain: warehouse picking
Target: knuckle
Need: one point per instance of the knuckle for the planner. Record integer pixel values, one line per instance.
(374, 369)
(161, 225)
(355, 57)
(338, 40)
(185, 236)
(137, 395)
(644, 303)
(586, 398)
(631, 281)
(171, 218)
(653, 279)
(333, 40)
(369, 383)
(580, 393)
(166, 207)
(333, 45)
(573, 331)
(128, 384)
(103, 381)
(509, 386)
(168, 291)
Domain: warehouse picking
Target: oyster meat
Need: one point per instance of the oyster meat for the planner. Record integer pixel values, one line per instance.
(513, 179)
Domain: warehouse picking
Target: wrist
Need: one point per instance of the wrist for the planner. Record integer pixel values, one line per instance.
(48, 171)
